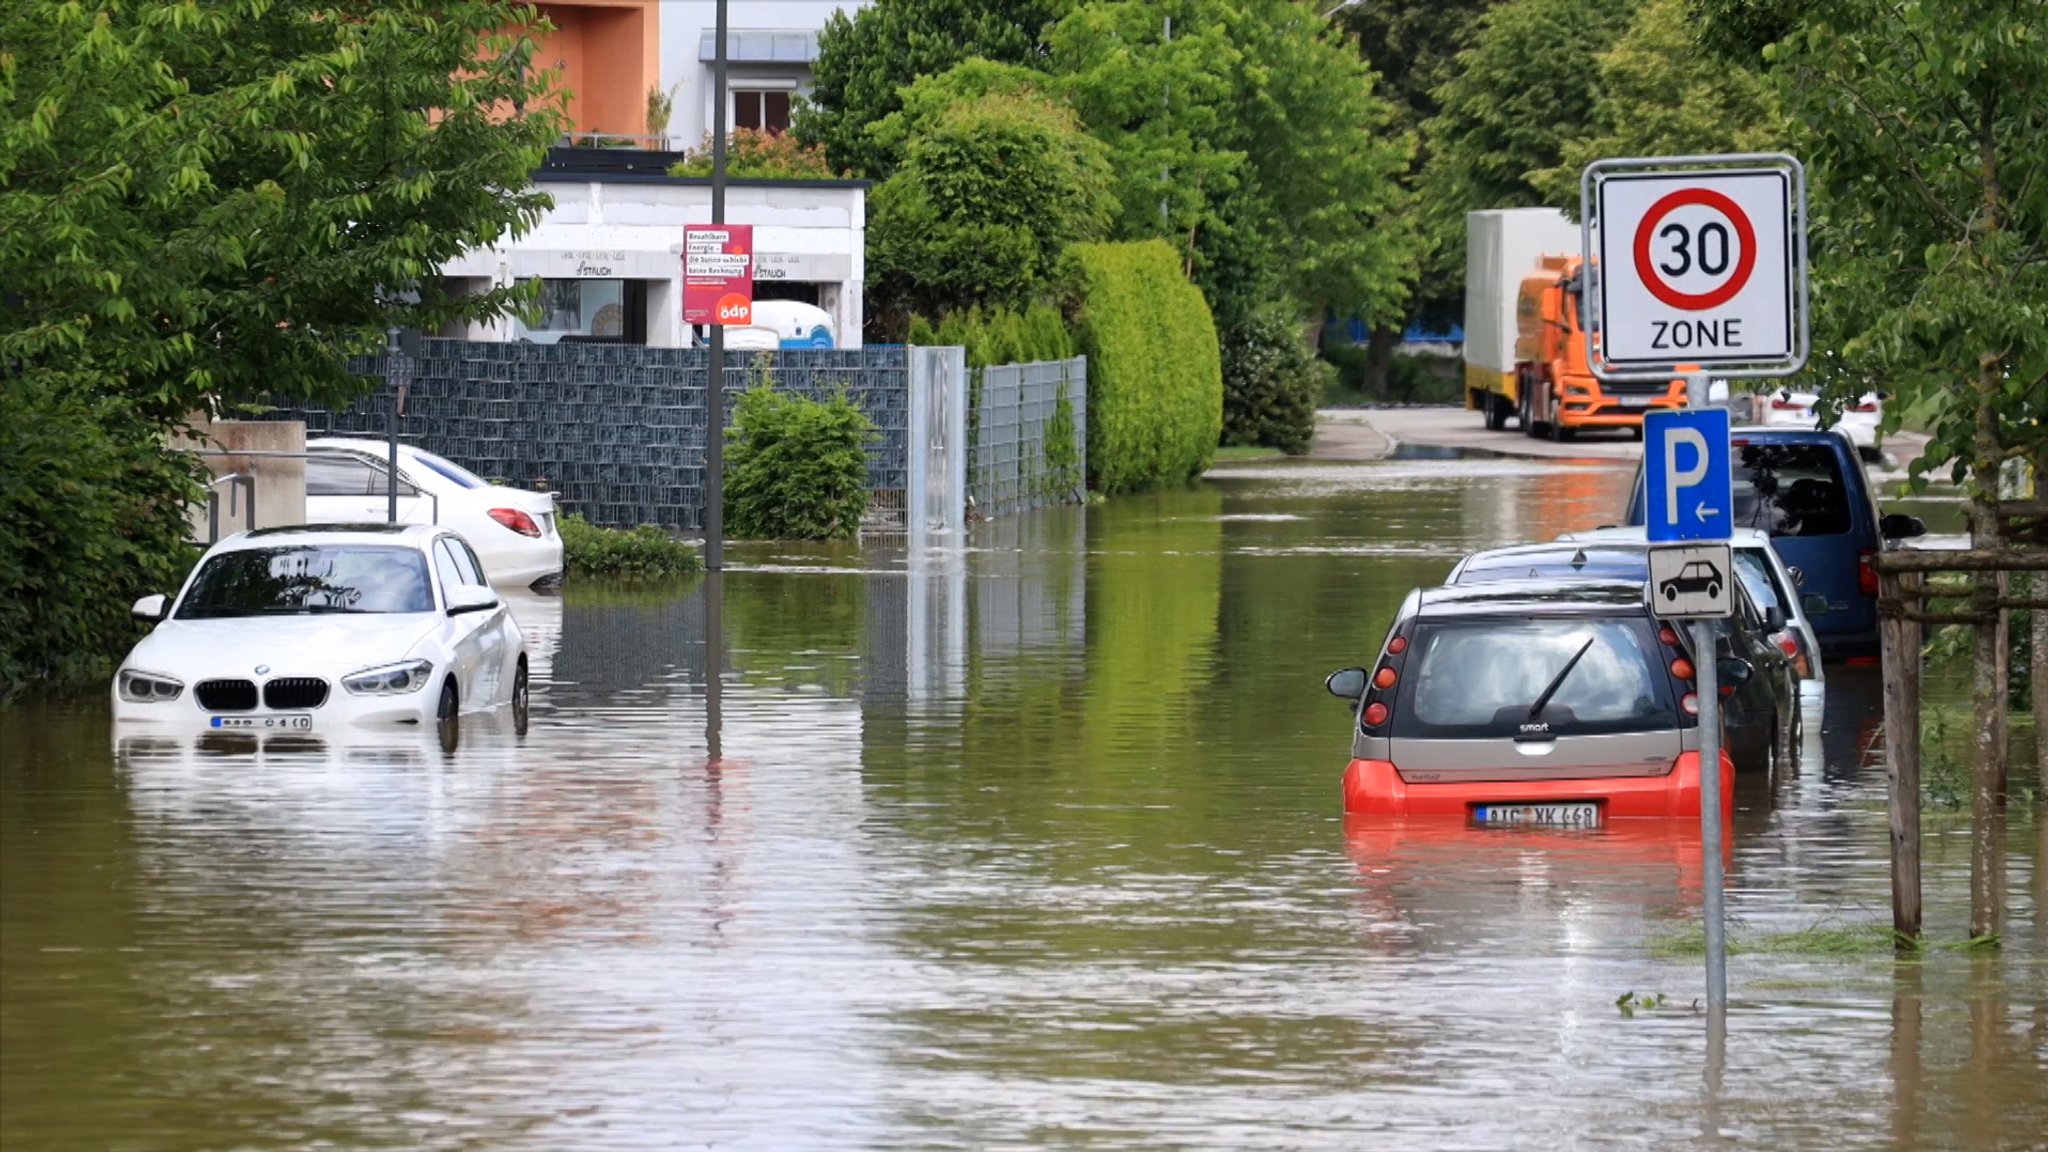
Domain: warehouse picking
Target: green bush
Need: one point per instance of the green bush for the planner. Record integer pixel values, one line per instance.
(1410, 379)
(92, 517)
(643, 553)
(1155, 377)
(1272, 383)
(797, 468)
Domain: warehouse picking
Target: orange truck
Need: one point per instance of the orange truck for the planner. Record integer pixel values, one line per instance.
(1525, 349)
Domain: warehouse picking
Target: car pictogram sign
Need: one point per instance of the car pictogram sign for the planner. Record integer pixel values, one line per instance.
(1698, 268)
(1691, 582)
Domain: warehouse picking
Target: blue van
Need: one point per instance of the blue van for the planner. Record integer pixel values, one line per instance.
(1806, 487)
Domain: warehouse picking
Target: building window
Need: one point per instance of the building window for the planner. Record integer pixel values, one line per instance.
(761, 109)
(587, 312)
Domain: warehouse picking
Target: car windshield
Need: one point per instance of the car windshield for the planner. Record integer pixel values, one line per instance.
(1479, 677)
(450, 470)
(309, 578)
(1790, 490)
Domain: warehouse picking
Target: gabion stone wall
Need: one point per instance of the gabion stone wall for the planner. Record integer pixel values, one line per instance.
(617, 430)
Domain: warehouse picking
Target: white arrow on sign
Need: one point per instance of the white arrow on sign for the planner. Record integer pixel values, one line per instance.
(1704, 511)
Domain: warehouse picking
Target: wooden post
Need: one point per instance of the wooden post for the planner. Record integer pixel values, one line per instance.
(1987, 766)
(1897, 595)
(2039, 670)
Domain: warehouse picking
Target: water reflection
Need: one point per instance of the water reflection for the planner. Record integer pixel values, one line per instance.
(1035, 845)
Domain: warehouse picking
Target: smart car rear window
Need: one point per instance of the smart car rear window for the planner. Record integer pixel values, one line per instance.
(1791, 490)
(1479, 678)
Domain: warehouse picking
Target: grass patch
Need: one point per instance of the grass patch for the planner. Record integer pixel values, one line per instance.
(1247, 452)
(1821, 940)
(644, 553)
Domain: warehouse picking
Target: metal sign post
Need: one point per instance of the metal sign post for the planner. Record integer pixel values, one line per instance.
(1696, 265)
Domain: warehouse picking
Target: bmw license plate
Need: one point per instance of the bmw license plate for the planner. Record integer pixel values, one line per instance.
(282, 722)
(1543, 815)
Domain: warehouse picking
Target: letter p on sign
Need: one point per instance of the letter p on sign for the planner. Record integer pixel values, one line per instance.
(1676, 478)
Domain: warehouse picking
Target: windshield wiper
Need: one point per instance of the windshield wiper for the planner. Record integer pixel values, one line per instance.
(1550, 690)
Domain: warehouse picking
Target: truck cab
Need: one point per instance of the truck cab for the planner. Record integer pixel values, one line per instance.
(1557, 392)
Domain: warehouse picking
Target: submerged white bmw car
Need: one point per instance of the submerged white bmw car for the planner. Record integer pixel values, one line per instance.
(297, 629)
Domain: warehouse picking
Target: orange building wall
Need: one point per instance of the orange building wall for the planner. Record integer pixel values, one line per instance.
(608, 53)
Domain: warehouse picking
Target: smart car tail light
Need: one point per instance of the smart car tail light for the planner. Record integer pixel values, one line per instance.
(1386, 678)
(1683, 669)
(1375, 714)
(1691, 703)
(516, 520)
(1397, 645)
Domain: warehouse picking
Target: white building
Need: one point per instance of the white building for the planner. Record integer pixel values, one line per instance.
(770, 47)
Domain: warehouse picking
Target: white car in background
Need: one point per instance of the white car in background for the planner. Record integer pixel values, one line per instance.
(512, 530)
(295, 630)
(1785, 408)
(1769, 581)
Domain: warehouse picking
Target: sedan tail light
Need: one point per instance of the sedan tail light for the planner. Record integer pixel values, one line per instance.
(1787, 406)
(516, 520)
(1864, 408)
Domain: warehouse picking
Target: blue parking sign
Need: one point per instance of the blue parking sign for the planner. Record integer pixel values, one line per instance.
(1688, 486)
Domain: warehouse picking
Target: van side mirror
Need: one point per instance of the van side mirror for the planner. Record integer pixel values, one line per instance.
(1899, 526)
(1815, 605)
(1733, 671)
(1347, 684)
(151, 609)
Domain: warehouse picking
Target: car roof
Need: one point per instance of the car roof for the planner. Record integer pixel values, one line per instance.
(1637, 534)
(1752, 433)
(416, 535)
(357, 444)
(1532, 598)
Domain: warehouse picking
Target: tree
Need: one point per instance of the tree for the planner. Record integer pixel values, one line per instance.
(1661, 95)
(1520, 97)
(1921, 122)
(867, 59)
(989, 195)
(202, 204)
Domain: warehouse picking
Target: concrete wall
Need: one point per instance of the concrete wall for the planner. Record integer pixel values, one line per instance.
(243, 448)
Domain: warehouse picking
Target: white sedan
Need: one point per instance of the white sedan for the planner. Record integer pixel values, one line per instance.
(1785, 408)
(512, 530)
(299, 629)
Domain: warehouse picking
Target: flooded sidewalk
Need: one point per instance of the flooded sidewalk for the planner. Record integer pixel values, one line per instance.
(1038, 845)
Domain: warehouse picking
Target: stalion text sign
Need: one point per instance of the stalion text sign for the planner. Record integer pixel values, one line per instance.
(718, 274)
(1701, 267)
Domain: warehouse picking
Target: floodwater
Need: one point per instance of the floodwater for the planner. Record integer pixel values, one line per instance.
(1038, 847)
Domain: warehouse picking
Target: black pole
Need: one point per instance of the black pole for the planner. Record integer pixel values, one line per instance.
(394, 380)
(714, 380)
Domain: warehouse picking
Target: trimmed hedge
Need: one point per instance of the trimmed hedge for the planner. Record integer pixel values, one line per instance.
(645, 553)
(1155, 374)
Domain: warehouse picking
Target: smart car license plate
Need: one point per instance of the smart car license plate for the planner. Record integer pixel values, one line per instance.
(1546, 815)
(281, 722)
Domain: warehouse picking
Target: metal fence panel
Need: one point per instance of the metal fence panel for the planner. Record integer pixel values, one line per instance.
(1020, 409)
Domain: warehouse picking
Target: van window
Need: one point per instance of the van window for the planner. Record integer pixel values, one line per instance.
(1791, 490)
(1476, 678)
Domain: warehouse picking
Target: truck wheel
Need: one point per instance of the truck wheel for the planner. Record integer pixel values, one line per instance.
(1526, 417)
(1496, 412)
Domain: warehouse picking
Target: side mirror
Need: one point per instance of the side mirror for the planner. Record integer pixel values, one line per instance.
(1798, 576)
(1815, 605)
(1733, 671)
(1899, 526)
(151, 609)
(1348, 684)
(470, 598)
(1774, 619)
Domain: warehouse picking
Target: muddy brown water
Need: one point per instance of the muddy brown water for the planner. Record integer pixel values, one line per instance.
(1040, 847)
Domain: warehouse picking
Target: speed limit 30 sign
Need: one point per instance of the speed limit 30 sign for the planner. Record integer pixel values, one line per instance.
(1701, 266)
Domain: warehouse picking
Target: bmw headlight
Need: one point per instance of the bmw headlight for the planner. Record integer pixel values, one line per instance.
(390, 680)
(138, 687)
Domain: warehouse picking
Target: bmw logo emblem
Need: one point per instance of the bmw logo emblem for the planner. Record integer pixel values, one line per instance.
(262, 668)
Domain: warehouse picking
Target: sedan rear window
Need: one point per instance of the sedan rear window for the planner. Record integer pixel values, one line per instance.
(1476, 678)
(450, 470)
(1791, 490)
(309, 579)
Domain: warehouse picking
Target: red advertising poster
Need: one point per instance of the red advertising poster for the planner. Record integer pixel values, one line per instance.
(718, 273)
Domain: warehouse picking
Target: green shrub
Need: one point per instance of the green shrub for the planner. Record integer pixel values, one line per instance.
(1062, 450)
(797, 468)
(758, 155)
(643, 553)
(92, 517)
(1271, 384)
(1155, 377)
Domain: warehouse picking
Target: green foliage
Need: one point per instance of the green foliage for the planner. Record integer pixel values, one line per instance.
(756, 155)
(206, 202)
(1062, 475)
(93, 508)
(1520, 96)
(1411, 379)
(643, 553)
(1661, 95)
(867, 59)
(999, 335)
(1252, 139)
(797, 468)
(1155, 377)
(1921, 125)
(989, 194)
(1271, 384)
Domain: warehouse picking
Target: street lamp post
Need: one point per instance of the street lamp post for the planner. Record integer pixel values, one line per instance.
(714, 379)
